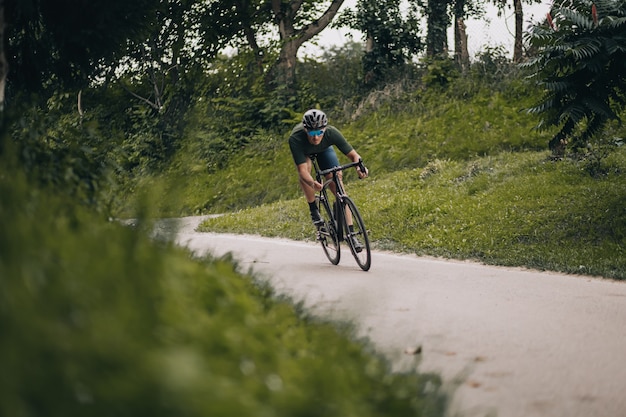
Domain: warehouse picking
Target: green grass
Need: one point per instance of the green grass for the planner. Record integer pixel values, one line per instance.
(259, 173)
(403, 133)
(411, 134)
(514, 209)
(457, 173)
(98, 319)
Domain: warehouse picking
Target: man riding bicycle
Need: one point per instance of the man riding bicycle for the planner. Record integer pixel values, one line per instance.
(315, 136)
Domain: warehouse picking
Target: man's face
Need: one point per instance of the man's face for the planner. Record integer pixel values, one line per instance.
(315, 135)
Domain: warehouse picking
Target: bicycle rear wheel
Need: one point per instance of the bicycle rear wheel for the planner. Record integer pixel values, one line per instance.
(357, 238)
(327, 233)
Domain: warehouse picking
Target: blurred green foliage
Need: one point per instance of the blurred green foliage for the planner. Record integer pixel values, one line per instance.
(99, 319)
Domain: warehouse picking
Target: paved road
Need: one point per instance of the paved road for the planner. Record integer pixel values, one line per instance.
(508, 342)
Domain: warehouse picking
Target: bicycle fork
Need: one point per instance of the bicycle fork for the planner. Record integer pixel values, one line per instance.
(338, 214)
(322, 203)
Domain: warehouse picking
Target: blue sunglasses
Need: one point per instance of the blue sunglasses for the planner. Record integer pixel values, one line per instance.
(316, 132)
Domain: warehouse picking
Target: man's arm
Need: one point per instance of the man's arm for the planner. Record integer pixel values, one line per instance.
(355, 157)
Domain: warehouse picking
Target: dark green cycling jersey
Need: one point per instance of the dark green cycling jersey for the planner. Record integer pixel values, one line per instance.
(301, 148)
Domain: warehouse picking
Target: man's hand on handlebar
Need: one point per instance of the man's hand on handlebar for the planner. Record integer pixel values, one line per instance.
(362, 171)
(317, 186)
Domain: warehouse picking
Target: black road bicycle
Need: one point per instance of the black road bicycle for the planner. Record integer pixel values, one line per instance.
(342, 220)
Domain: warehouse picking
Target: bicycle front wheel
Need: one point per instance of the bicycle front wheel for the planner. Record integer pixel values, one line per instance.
(356, 236)
(327, 233)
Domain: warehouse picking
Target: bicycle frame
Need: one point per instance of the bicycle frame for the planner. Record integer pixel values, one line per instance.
(343, 217)
(339, 192)
(321, 175)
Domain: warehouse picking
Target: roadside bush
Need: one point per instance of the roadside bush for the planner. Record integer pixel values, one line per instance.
(98, 319)
(57, 150)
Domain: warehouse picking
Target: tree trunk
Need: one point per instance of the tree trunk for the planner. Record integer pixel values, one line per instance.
(285, 17)
(437, 23)
(461, 54)
(519, 22)
(286, 66)
(243, 6)
(369, 44)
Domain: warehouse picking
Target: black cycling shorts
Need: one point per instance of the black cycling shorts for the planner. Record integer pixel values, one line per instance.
(327, 159)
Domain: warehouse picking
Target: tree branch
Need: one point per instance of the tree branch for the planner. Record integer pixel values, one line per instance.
(79, 105)
(309, 31)
(145, 100)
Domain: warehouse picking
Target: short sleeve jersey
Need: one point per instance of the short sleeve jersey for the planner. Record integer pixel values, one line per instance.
(301, 148)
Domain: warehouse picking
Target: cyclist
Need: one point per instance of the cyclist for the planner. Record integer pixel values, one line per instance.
(315, 136)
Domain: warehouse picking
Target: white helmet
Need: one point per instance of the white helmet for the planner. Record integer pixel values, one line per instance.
(314, 119)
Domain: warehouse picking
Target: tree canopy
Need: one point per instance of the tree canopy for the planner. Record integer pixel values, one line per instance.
(392, 35)
(66, 42)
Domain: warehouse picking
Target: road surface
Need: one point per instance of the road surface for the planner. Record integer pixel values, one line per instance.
(508, 342)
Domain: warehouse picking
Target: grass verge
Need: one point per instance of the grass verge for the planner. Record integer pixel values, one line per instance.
(98, 319)
(513, 209)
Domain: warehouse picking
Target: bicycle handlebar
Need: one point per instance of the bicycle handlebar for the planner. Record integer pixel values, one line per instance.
(342, 167)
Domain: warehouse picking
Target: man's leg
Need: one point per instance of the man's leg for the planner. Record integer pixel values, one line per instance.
(309, 195)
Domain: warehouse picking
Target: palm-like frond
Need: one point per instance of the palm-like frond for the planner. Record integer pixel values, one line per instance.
(548, 102)
(557, 86)
(575, 19)
(581, 66)
(612, 23)
(595, 66)
(616, 45)
(586, 50)
(574, 112)
(600, 108)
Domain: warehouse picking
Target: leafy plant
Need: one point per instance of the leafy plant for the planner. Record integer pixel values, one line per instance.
(60, 151)
(581, 66)
(392, 37)
(493, 66)
(439, 72)
(46, 42)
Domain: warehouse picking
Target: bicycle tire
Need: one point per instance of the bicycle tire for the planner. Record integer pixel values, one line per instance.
(362, 255)
(327, 233)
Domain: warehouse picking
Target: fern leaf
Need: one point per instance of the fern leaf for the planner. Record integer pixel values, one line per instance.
(600, 108)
